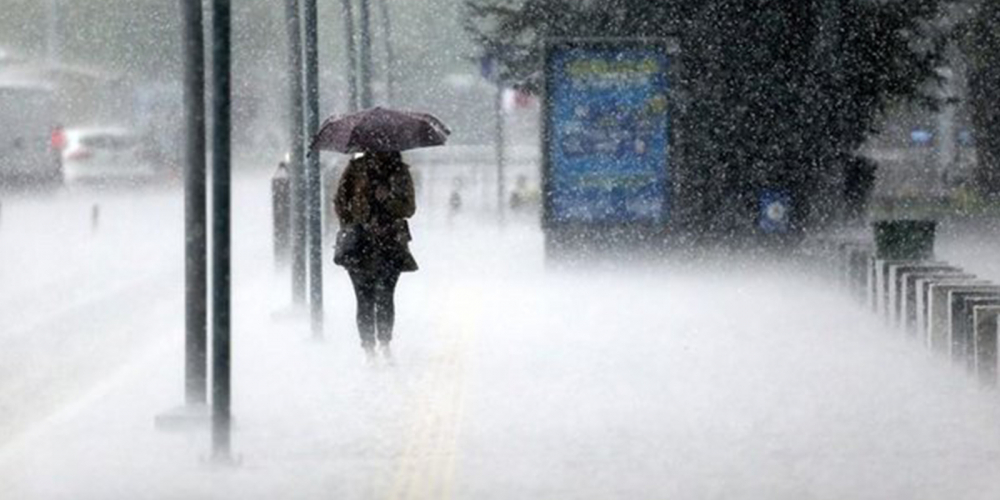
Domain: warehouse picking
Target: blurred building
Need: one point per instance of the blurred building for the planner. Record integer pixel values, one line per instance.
(85, 95)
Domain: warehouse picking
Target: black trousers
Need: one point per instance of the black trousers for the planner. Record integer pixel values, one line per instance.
(376, 307)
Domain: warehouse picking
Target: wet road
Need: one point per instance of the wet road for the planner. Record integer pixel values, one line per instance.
(707, 379)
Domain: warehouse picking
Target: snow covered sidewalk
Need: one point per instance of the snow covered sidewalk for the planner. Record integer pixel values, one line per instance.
(513, 381)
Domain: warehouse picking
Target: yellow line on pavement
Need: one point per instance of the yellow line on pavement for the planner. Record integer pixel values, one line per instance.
(427, 466)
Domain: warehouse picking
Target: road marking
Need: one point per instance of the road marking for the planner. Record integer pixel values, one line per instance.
(427, 466)
(27, 440)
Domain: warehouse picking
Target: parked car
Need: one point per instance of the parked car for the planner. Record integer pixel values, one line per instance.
(29, 153)
(105, 155)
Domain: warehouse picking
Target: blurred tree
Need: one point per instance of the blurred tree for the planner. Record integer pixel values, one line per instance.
(982, 51)
(779, 94)
(140, 41)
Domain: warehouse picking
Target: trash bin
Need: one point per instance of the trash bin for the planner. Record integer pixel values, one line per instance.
(281, 212)
(904, 239)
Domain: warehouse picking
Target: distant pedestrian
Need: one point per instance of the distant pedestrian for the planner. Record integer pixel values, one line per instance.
(374, 198)
(455, 198)
(519, 196)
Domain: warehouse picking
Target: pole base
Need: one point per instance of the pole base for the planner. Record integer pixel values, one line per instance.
(221, 460)
(294, 313)
(185, 418)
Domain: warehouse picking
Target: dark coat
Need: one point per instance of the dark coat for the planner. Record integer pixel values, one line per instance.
(377, 196)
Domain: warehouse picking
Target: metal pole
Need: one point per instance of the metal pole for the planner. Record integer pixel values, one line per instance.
(499, 141)
(52, 34)
(313, 179)
(196, 242)
(221, 354)
(829, 82)
(390, 54)
(365, 52)
(296, 136)
(352, 55)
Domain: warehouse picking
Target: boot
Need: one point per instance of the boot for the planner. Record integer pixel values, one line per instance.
(386, 353)
(371, 357)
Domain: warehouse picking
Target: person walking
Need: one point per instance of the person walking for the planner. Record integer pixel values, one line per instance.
(375, 196)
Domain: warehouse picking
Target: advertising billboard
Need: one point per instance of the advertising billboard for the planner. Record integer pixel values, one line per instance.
(607, 124)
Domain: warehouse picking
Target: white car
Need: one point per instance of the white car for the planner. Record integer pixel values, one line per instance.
(104, 155)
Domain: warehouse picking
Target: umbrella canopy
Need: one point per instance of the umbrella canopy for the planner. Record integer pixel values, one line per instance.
(379, 129)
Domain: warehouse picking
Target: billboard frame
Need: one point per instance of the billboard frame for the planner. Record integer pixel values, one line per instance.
(560, 233)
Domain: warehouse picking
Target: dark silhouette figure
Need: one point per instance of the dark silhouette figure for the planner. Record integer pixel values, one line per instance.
(374, 198)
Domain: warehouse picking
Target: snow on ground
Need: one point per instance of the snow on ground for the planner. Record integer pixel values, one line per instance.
(971, 245)
(512, 380)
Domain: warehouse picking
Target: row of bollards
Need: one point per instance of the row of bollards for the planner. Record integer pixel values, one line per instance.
(952, 312)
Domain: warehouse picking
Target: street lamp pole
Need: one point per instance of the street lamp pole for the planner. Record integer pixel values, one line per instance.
(221, 204)
(365, 52)
(352, 55)
(52, 32)
(296, 137)
(390, 53)
(313, 182)
(196, 265)
(499, 145)
(831, 53)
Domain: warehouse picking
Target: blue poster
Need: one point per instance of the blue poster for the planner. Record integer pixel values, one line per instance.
(608, 130)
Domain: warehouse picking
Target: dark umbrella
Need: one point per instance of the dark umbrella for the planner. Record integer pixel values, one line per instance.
(380, 129)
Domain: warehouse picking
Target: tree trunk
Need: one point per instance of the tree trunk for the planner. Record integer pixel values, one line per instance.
(984, 96)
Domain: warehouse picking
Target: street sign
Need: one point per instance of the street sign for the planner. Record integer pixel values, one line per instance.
(775, 211)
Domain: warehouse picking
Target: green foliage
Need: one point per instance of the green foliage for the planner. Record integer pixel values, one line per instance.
(982, 47)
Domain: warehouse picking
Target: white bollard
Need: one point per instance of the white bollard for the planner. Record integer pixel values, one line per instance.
(986, 320)
(908, 294)
(960, 322)
(939, 297)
